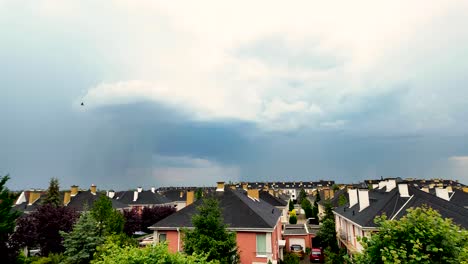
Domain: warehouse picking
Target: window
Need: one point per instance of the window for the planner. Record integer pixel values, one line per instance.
(162, 237)
(261, 245)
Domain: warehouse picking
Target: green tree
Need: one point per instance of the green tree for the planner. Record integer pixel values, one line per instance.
(113, 252)
(328, 214)
(317, 197)
(80, 244)
(109, 220)
(293, 217)
(421, 236)
(327, 235)
(7, 222)
(291, 205)
(302, 196)
(53, 193)
(307, 206)
(335, 187)
(342, 200)
(210, 235)
(198, 194)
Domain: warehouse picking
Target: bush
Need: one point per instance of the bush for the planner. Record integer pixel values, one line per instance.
(293, 219)
(290, 259)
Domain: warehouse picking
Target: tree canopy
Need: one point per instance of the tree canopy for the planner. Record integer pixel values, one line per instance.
(421, 236)
(80, 244)
(108, 219)
(7, 221)
(53, 193)
(210, 235)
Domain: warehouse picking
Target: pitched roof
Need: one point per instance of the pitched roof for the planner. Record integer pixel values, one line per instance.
(144, 197)
(393, 205)
(459, 198)
(238, 211)
(275, 201)
(87, 198)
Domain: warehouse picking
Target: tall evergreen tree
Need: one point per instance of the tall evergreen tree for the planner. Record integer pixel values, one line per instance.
(7, 222)
(81, 243)
(53, 193)
(210, 235)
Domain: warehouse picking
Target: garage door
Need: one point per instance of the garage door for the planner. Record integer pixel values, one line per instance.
(297, 241)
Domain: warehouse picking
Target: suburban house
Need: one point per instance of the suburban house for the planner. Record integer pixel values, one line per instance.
(356, 219)
(300, 234)
(28, 201)
(280, 204)
(140, 198)
(257, 224)
(334, 200)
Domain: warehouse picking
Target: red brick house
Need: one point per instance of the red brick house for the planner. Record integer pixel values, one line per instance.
(257, 225)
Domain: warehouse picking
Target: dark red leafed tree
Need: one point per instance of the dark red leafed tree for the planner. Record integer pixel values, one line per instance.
(41, 228)
(149, 216)
(132, 221)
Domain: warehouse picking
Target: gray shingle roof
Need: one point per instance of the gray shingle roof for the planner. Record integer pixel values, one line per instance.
(389, 203)
(238, 211)
(144, 197)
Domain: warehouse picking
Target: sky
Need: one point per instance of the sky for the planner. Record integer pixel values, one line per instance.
(189, 93)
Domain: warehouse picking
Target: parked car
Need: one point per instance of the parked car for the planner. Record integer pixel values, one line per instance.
(298, 251)
(316, 255)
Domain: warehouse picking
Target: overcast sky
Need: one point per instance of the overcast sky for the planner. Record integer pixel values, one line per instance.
(201, 91)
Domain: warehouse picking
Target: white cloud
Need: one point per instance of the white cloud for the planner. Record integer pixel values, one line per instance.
(320, 60)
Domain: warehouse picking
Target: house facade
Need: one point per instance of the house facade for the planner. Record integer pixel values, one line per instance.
(356, 219)
(256, 223)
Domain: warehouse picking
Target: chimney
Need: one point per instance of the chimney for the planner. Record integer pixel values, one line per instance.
(66, 198)
(139, 189)
(403, 190)
(382, 184)
(181, 194)
(244, 186)
(233, 187)
(190, 198)
(449, 189)
(253, 193)
(353, 197)
(391, 184)
(363, 199)
(135, 196)
(153, 190)
(111, 194)
(442, 193)
(93, 189)
(74, 190)
(34, 196)
(425, 189)
(220, 187)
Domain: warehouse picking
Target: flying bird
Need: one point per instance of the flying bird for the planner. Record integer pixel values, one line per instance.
(82, 104)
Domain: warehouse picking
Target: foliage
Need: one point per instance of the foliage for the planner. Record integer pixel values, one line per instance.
(327, 235)
(335, 187)
(328, 214)
(51, 259)
(132, 221)
(198, 193)
(293, 217)
(7, 222)
(342, 200)
(210, 235)
(315, 210)
(332, 257)
(150, 216)
(302, 196)
(42, 228)
(108, 219)
(112, 252)
(291, 205)
(421, 236)
(53, 194)
(307, 206)
(290, 258)
(80, 244)
(317, 197)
